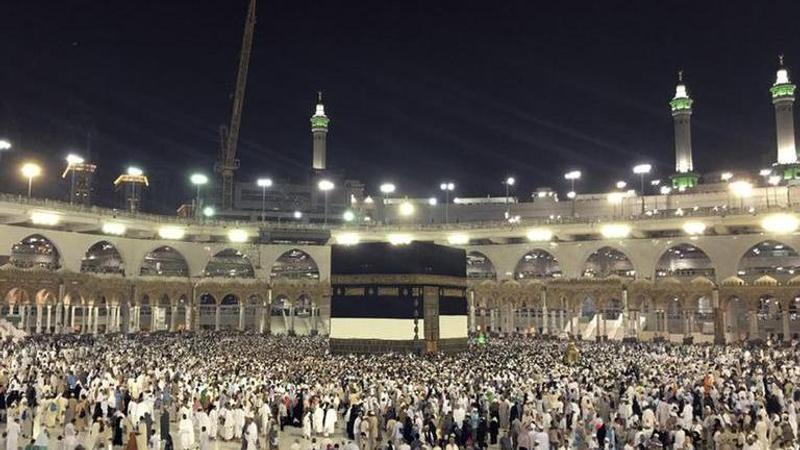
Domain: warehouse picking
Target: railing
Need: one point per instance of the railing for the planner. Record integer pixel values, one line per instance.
(524, 222)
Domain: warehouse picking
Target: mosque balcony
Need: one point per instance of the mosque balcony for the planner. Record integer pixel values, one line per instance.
(782, 91)
(663, 217)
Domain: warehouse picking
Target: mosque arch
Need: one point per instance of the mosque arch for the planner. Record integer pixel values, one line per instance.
(206, 312)
(17, 296)
(294, 264)
(35, 251)
(145, 319)
(676, 323)
(180, 314)
(162, 313)
(607, 261)
(229, 312)
(480, 267)
(102, 314)
(769, 257)
(703, 315)
(649, 313)
(612, 310)
(252, 312)
(280, 310)
(103, 257)
(164, 261)
(537, 263)
(736, 317)
(685, 261)
(229, 263)
(588, 307)
(769, 316)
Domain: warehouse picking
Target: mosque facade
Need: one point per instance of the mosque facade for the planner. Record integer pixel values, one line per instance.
(711, 261)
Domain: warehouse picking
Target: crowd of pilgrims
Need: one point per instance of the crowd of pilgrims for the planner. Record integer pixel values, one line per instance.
(189, 391)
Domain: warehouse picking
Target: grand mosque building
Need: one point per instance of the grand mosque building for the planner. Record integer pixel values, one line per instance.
(710, 258)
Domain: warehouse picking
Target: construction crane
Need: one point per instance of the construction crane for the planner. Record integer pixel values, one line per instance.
(228, 163)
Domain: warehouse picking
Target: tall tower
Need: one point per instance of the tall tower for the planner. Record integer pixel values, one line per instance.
(319, 128)
(681, 107)
(783, 99)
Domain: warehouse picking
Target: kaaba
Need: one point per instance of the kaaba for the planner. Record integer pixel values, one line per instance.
(398, 298)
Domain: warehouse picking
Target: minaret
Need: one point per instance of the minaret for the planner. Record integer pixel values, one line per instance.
(783, 99)
(319, 128)
(681, 107)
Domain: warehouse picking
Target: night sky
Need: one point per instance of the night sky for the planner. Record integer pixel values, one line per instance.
(417, 91)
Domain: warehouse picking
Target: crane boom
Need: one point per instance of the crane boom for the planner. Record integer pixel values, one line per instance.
(227, 163)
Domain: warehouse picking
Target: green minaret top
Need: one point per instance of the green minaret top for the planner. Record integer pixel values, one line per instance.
(681, 101)
(319, 121)
(783, 87)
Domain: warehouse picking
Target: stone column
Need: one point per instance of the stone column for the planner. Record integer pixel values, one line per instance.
(268, 315)
(492, 324)
(155, 312)
(545, 314)
(753, 325)
(314, 315)
(571, 320)
(511, 323)
(785, 324)
(188, 318)
(604, 316)
(111, 318)
(241, 316)
(96, 316)
(38, 319)
(260, 317)
(73, 318)
(625, 322)
(49, 315)
(85, 319)
(291, 318)
(173, 318)
(58, 317)
(136, 318)
(22, 318)
(718, 318)
(216, 318)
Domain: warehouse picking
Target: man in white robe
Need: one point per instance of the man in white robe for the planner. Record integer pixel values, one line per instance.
(186, 433)
(329, 425)
(13, 431)
(251, 435)
(319, 415)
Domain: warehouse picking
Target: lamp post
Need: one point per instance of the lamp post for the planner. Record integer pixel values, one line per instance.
(325, 186)
(263, 183)
(386, 189)
(198, 179)
(30, 171)
(72, 161)
(572, 176)
(447, 187)
(642, 170)
(509, 182)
